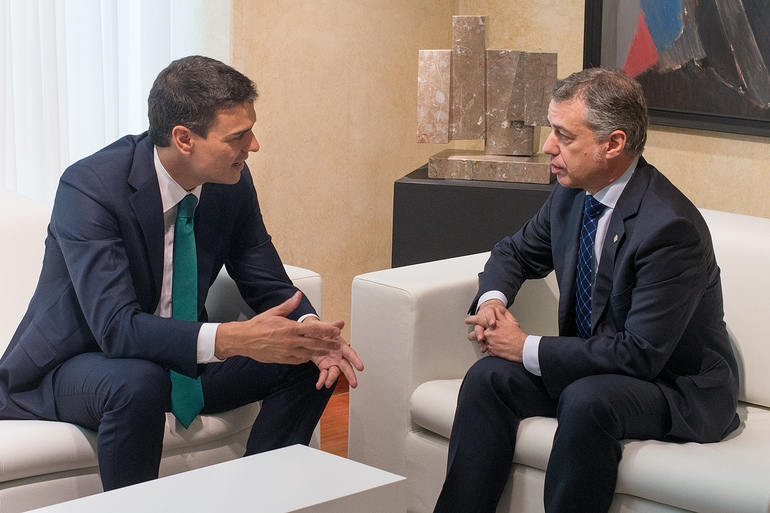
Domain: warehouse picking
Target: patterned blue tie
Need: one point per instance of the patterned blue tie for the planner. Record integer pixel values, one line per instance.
(186, 392)
(585, 266)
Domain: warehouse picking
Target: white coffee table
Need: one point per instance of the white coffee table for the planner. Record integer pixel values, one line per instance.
(295, 478)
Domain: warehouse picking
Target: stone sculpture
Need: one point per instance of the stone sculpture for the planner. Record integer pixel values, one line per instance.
(470, 93)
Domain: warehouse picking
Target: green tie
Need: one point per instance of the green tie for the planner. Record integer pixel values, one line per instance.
(186, 392)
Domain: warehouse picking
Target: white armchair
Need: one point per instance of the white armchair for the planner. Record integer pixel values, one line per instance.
(43, 463)
(407, 324)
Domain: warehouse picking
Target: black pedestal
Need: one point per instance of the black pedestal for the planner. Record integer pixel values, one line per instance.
(436, 218)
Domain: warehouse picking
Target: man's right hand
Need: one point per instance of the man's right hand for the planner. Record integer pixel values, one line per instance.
(272, 338)
(485, 318)
(496, 331)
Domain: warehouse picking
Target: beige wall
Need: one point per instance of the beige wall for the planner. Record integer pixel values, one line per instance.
(337, 113)
(336, 122)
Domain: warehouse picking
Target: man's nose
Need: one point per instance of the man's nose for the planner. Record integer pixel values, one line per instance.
(254, 144)
(549, 146)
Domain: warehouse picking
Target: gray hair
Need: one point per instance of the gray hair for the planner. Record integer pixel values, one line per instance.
(613, 101)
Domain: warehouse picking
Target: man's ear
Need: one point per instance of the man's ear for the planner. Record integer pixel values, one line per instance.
(616, 144)
(182, 138)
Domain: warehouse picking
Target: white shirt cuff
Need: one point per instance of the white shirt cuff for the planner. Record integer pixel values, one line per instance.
(207, 338)
(306, 316)
(529, 355)
(492, 294)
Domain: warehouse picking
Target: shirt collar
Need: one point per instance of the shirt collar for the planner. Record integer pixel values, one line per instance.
(171, 193)
(609, 195)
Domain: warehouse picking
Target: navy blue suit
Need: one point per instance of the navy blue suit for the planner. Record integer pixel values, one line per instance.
(658, 364)
(101, 283)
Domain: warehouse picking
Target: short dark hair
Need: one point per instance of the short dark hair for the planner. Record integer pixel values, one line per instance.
(190, 91)
(613, 101)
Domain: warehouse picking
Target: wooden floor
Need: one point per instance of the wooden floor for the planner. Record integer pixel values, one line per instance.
(334, 423)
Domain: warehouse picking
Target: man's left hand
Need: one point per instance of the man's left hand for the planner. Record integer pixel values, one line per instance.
(342, 361)
(497, 332)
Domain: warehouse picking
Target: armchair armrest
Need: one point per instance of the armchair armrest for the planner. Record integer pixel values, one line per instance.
(407, 325)
(224, 302)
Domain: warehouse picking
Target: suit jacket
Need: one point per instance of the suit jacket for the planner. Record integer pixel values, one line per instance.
(657, 310)
(101, 278)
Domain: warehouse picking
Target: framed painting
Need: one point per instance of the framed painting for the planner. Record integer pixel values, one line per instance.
(702, 63)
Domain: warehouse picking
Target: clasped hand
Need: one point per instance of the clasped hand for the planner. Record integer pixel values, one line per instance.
(496, 331)
(271, 337)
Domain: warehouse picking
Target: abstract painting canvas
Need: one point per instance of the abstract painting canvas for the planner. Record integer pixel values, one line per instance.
(702, 63)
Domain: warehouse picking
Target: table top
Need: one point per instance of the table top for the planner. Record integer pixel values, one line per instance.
(289, 479)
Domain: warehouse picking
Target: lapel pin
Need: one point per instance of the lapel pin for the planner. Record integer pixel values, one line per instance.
(615, 239)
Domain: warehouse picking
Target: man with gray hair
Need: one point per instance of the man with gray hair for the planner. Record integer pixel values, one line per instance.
(642, 352)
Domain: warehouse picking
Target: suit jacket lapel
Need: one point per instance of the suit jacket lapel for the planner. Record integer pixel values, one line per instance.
(148, 208)
(569, 241)
(616, 234)
(207, 236)
(626, 208)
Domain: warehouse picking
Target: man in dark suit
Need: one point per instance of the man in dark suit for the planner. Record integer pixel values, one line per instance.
(646, 355)
(98, 342)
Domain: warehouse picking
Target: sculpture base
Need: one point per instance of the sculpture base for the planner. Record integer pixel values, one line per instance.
(476, 165)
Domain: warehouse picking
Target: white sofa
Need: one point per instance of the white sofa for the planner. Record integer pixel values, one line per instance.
(407, 325)
(43, 463)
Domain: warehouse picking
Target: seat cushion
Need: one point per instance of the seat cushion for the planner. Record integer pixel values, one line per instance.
(42, 447)
(732, 475)
(433, 408)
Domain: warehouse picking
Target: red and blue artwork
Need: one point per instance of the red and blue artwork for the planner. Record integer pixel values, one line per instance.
(660, 23)
(701, 63)
(726, 39)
